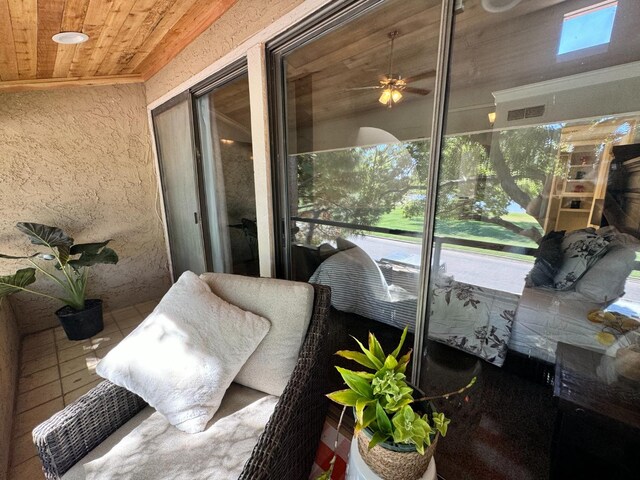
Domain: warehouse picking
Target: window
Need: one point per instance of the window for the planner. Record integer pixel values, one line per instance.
(587, 27)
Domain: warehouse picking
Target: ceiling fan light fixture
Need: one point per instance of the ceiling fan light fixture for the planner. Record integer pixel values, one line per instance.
(396, 95)
(70, 38)
(385, 97)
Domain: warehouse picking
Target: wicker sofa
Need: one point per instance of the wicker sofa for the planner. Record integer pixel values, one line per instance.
(285, 449)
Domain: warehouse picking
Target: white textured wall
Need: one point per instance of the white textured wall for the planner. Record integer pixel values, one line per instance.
(9, 346)
(80, 158)
(241, 21)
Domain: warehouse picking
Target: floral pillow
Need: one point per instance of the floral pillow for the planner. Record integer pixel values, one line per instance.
(581, 249)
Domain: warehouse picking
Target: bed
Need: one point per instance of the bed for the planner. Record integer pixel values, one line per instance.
(486, 322)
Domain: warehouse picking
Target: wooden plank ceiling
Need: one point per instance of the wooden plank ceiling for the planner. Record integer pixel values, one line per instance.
(129, 40)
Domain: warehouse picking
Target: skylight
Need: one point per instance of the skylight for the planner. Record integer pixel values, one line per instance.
(587, 27)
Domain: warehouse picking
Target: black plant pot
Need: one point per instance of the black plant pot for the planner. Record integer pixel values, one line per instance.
(82, 324)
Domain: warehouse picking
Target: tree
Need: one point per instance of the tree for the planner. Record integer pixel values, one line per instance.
(355, 186)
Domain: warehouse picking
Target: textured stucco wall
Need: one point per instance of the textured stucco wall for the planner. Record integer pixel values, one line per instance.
(244, 19)
(9, 346)
(80, 158)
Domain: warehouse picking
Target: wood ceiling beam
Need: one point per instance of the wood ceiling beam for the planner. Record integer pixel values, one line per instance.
(53, 83)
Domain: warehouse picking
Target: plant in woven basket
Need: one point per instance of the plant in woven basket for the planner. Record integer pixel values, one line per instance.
(384, 403)
(71, 262)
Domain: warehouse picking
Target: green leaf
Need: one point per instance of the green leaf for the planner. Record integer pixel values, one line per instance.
(88, 259)
(361, 358)
(325, 476)
(390, 362)
(45, 235)
(377, 363)
(377, 438)
(14, 283)
(382, 419)
(441, 423)
(18, 258)
(345, 397)
(368, 417)
(361, 403)
(375, 347)
(356, 383)
(63, 254)
(396, 352)
(93, 248)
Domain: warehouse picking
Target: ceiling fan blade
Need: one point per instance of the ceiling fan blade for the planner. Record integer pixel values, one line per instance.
(417, 91)
(376, 87)
(420, 76)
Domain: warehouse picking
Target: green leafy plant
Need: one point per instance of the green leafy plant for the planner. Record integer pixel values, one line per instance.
(383, 400)
(71, 261)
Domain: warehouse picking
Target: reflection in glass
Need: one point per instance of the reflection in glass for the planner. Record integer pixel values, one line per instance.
(227, 170)
(534, 278)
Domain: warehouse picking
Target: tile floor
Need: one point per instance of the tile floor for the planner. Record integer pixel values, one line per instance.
(54, 371)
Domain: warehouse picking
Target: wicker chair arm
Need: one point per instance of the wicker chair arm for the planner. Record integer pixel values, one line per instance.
(73, 432)
(287, 447)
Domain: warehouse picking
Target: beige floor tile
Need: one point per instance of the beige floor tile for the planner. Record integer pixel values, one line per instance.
(80, 363)
(64, 343)
(102, 352)
(124, 313)
(127, 331)
(79, 379)
(26, 421)
(36, 340)
(38, 396)
(58, 332)
(75, 394)
(103, 340)
(130, 322)
(37, 379)
(80, 350)
(39, 352)
(29, 470)
(22, 449)
(27, 368)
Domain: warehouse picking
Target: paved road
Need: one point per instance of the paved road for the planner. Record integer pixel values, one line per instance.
(487, 271)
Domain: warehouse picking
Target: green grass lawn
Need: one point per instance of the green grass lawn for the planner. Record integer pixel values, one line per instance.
(467, 229)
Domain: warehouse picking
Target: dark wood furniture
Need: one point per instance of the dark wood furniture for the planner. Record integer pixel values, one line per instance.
(597, 431)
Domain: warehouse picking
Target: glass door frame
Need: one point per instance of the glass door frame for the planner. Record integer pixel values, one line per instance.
(191, 95)
(326, 20)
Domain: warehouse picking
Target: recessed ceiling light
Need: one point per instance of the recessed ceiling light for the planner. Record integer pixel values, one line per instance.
(70, 38)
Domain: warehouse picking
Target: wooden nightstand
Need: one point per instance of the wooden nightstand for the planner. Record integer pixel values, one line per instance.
(597, 431)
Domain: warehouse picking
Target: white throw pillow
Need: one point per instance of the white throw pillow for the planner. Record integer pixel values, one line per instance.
(581, 249)
(605, 281)
(186, 353)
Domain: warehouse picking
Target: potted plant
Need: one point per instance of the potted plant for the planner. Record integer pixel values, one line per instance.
(396, 432)
(80, 317)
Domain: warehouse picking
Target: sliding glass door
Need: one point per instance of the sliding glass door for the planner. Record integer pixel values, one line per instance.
(357, 103)
(176, 154)
(203, 139)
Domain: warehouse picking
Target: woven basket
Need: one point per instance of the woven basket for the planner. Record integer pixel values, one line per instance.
(392, 464)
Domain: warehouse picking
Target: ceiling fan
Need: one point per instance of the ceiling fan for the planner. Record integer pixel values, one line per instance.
(393, 86)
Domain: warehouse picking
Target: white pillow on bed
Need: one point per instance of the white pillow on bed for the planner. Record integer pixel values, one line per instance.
(581, 249)
(186, 353)
(605, 281)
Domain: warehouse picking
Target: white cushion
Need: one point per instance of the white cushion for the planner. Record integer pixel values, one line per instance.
(288, 306)
(604, 281)
(184, 356)
(148, 447)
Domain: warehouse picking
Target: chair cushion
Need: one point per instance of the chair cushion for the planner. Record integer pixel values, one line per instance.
(184, 356)
(288, 306)
(149, 447)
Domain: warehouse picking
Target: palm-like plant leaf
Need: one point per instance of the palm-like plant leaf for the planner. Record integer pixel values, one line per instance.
(14, 283)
